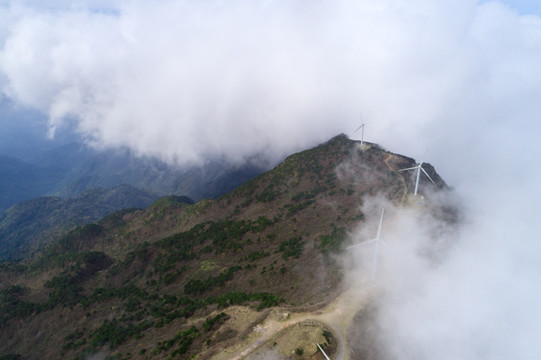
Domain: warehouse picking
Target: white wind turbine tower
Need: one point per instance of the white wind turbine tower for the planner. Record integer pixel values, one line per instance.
(326, 356)
(419, 168)
(362, 131)
(376, 247)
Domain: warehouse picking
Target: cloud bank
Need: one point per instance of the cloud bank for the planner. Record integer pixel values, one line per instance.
(186, 81)
(449, 292)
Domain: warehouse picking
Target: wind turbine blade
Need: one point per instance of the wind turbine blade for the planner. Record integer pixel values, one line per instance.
(362, 243)
(358, 128)
(380, 222)
(320, 348)
(411, 168)
(428, 175)
(424, 155)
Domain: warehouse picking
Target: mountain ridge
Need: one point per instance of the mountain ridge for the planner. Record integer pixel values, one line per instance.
(135, 278)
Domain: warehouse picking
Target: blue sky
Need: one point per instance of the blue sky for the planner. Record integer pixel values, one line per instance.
(524, 7)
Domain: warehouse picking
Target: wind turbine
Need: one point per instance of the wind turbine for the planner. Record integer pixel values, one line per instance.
(376, 248)
(362, 132)
(419, 168)
(326, 356)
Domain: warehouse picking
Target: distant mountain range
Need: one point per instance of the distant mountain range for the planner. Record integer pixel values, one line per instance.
(110, 168)
(69, 170)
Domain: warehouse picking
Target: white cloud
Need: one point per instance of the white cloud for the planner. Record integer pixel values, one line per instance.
(183, 80)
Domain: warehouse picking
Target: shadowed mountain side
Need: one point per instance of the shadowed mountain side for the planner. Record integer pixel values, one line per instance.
(181, 279)
(29, 224)
(110, 168)
(20, 180)
(69, 170)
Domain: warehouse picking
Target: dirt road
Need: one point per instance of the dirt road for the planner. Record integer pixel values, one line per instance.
(337, 316)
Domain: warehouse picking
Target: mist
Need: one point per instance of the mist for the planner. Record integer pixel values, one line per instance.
(185, 81)
(459, 289)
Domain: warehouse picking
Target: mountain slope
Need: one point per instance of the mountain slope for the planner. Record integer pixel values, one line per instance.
(27, 225)
(168, 281)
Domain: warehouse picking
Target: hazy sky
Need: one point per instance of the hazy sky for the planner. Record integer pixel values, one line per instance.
(188, 80)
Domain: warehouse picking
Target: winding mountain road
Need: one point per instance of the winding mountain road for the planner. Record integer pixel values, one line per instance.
(337, 316)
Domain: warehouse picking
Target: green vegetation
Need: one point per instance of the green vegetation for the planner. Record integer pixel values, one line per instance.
(211, 322)
(77, 238)
(225, 236)
(327, 335)
(11, 305)
(292, 209)
(268, 195)
(308, 195)
(65, 290)
(184, 338)
(61, 252)
(74, 340)
(256, 255)
(292, 247)
(332, 242)
(207, 265)
(266, 300)
(167, 204)
(113, 333)
(12, 267)
(195, 286)
(10, 357)
(164, 309)
(173, 276)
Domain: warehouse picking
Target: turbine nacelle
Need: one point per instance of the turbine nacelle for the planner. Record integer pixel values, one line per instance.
(419, 168)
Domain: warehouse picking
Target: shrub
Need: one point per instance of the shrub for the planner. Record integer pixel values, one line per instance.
(292, 247)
